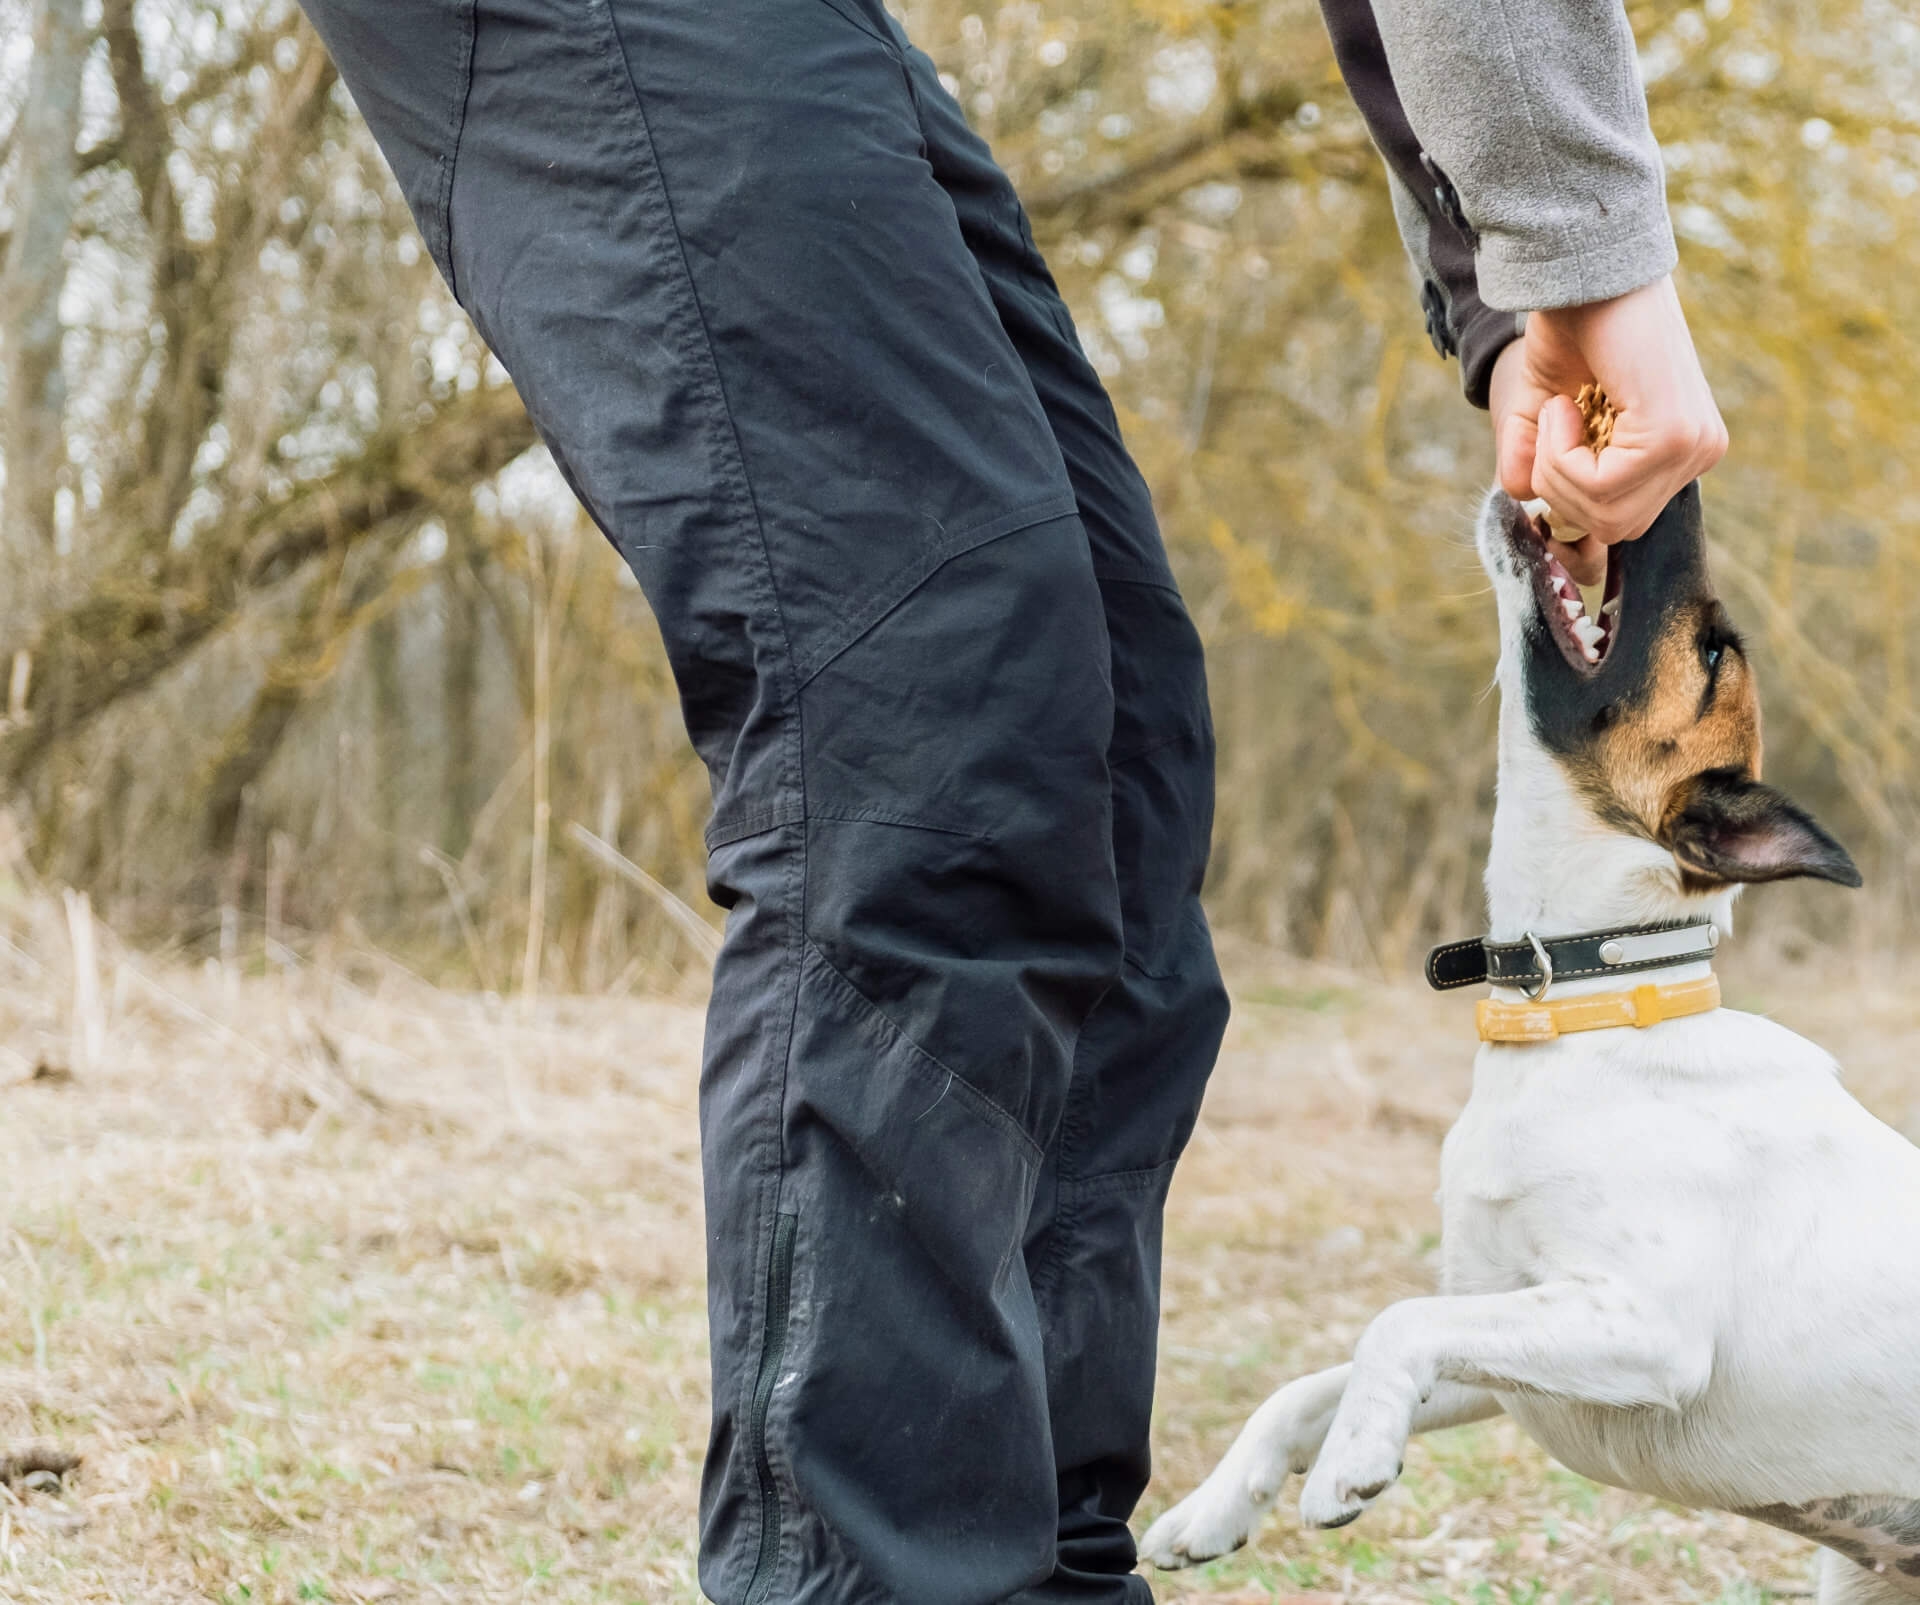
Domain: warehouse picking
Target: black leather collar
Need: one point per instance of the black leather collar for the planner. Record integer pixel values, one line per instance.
(1568, 958)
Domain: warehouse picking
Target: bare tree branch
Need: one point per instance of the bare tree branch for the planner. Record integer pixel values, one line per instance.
(245, 215)
(31, 278)
(1120, 193)
(144, 145)
(218, 76)
(305, 659)
(143, 132)
(122, 637)
(95, 157)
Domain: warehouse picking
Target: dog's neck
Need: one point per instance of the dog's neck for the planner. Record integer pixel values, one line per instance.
(1556, 870)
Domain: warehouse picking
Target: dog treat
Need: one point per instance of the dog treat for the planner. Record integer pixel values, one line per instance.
(1597, 413)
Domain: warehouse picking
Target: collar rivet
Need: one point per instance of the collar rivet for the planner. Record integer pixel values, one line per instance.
(1612, 953)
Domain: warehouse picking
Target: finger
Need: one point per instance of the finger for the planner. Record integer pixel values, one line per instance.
(1614, 496)
(1713, 443)
(1606, 516)
(1514, 449)
(1585, 559)
(1562, 464)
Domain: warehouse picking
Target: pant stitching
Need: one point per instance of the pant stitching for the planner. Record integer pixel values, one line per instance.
(707, 370)
(1144, 575)
(881, 816)
(450, 159)
(723, 830)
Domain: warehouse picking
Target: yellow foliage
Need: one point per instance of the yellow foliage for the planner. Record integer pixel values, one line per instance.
(1253, 584)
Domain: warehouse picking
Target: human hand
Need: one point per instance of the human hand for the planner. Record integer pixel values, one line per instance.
(1667, 431)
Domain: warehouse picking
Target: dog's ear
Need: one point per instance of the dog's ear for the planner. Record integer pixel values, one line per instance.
(1725, 827)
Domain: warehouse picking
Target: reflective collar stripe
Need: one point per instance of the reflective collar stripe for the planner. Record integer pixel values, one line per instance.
(1673, 944)
(1642, 1007)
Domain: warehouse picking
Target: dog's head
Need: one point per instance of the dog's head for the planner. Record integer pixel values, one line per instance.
(1630, 784)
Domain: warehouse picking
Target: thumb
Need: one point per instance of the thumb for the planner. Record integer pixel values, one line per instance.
(1562, 431)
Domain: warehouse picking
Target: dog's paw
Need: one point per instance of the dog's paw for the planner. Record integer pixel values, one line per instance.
(1214, 1520)
(1354, 1469)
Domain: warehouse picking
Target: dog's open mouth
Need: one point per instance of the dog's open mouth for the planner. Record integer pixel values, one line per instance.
(1582, 639)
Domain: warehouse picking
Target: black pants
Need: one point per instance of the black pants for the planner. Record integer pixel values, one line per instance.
(782, 323)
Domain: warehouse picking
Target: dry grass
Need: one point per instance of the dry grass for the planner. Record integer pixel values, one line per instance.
(349, 1289)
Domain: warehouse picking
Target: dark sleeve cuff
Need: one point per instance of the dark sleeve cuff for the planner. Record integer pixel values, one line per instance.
(1483, 336)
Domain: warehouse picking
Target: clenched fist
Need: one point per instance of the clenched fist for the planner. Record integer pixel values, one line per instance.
(1668, 430)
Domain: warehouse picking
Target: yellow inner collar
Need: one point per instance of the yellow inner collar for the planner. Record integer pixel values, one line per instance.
(1596, 1011)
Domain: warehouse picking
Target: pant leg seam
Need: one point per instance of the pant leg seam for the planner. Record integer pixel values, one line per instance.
(882, 816)
(1103, 1184)
(1145, 575)
(450, 159)
(777, 1461)
(1187, 731)
(910, 577)
(983, 1105)
(723, 830)
(708, 370)
(855, 22)
(731, 471)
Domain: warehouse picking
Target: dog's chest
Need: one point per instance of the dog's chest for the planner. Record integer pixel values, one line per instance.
(1881, 1534)
(1525, 1202)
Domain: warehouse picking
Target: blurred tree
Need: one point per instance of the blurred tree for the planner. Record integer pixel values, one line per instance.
(32, 275)
(269, 506)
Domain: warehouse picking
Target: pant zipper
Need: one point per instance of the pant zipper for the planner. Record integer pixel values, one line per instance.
(772, 1352)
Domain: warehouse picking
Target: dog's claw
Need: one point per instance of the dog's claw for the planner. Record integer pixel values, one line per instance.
(1214, 1520)
(1345, 1481)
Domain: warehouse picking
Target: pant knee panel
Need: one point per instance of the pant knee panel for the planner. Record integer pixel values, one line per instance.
(911, 1363)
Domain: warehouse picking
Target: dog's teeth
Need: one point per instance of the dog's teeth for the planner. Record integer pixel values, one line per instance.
(1589, 633)
(1611, 606)
(1535, 508)
(1574, 610)
(1592, 654)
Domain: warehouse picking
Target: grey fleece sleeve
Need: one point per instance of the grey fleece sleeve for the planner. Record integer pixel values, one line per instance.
(1533, 111)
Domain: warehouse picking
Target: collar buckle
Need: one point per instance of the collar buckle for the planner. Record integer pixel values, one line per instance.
(1545, 960)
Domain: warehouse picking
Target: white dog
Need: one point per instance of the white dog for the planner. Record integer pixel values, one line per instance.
(1676, 1251)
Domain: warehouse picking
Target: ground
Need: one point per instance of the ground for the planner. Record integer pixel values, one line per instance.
(346, 1288)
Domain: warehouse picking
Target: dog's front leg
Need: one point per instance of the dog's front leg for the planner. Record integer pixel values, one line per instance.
(1600, 1342)
(1280, 1439)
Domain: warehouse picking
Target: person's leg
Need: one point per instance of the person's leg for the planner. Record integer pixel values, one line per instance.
(710, 250)
(1093, 1246)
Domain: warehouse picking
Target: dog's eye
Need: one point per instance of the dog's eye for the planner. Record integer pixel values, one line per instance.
(1710, 654)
